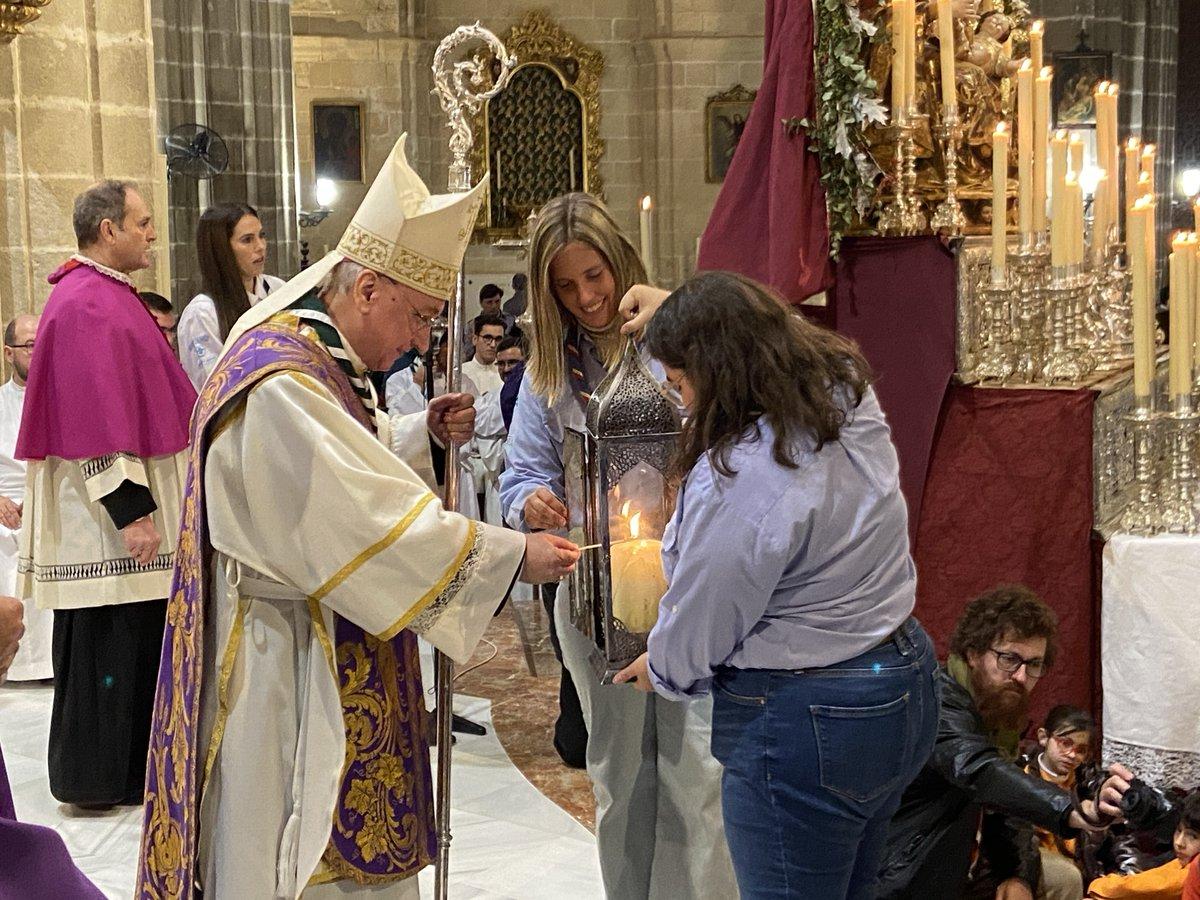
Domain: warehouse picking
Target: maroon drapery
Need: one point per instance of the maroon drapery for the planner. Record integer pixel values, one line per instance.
(769, 219)
(895, 297)
(1009, 500)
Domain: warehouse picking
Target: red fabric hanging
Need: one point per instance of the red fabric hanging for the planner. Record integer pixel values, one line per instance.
(769, 219)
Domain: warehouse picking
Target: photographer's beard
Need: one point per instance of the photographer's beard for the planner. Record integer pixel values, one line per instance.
(1003, 707)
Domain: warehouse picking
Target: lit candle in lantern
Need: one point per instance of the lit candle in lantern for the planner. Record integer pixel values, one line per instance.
(1149, 153)
(1143, 309)
(1025, 148)
(999, 203)
(638, 582)
(1041, 138)
(647, 237)
(945, 28)
(1036, 31)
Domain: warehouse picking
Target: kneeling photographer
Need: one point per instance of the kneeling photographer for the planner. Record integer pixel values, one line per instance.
(965, 826)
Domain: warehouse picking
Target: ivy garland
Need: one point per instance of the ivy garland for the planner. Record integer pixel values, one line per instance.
(848, 102)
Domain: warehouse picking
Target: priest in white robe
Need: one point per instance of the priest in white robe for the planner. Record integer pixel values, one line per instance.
(33, 662)
(289, 755)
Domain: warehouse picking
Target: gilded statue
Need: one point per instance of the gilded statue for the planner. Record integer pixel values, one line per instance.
(985, 32)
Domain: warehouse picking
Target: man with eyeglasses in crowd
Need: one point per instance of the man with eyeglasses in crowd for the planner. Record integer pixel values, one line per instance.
(965, 825)
(32, 661)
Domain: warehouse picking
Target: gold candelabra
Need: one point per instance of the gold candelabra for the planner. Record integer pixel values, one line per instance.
(948, 216)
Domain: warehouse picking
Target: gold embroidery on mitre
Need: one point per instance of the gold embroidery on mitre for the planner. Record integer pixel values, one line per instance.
(404, 265)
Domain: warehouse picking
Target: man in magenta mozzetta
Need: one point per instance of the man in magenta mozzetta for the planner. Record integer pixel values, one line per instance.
(104, 430)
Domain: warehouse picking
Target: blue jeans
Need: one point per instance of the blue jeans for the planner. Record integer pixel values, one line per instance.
(815, 763)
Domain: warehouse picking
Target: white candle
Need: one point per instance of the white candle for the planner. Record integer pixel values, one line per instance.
(1133, 155)
(647, 236)
(1149, 153)
(999, 203)
(1036, 30)
(638, 582)
(1041, 139)
(1025, 148)
(1143, 315)
(945, 27)
(1179, 371)
(1076, 152)
(898, 65)
(1100, 221)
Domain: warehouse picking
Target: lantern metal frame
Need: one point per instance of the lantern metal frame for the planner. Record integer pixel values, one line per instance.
(630, 420)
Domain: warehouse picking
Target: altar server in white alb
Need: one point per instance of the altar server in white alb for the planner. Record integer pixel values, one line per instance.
(33, 658)
(288, 754)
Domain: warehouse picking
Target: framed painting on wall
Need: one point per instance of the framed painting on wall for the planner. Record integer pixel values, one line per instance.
(725, 116)
(337, 129)
(1076, 75)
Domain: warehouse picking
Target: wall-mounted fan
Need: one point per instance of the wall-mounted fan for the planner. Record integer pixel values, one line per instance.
(196, 151)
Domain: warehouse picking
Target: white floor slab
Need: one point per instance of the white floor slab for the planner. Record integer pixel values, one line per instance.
(510, 841)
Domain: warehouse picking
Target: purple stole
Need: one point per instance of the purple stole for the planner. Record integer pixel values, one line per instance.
(382, 828)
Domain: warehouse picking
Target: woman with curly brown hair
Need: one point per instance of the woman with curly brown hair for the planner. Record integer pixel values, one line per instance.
(790, 589)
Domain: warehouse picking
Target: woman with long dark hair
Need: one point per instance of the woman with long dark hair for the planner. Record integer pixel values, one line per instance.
(232, 248)
(658, 823)
(790, 589)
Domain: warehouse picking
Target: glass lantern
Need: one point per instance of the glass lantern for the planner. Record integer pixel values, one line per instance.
(620, 498)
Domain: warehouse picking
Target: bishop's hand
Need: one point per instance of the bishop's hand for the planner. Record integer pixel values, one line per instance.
(451, 418)
(548, 558)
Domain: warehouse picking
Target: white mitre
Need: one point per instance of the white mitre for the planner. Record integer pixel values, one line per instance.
(400, 230)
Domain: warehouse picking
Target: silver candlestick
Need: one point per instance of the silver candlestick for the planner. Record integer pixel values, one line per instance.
(1179, 491)
(1142, 514)
(995, 359)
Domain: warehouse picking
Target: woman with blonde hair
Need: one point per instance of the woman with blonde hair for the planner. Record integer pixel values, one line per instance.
(658, 812)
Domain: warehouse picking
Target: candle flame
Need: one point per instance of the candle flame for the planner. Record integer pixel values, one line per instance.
(625, 509)
(1134, 143)
(1113, 89)
(635, 525)
(1047, 72)
(1102, 88)
(1061, 134)
(1026, 65)
(1037, 26)
(1001, 127)
(1142, 202)
(1149, 150)
(647, 203)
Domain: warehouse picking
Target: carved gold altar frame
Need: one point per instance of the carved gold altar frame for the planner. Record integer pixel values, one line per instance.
(537, 40)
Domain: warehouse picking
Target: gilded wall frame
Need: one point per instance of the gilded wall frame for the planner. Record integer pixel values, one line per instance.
(339, 139)
(539, 41)
(725, 116)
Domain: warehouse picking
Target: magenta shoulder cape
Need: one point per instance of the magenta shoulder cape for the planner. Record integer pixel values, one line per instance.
(103, 378)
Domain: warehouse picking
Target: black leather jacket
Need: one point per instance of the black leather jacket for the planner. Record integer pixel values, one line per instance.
(940, 810)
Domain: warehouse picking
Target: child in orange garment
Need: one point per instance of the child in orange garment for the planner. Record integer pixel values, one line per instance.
(1178, 878)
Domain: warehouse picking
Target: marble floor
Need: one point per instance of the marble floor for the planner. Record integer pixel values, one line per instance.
(517, 817)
